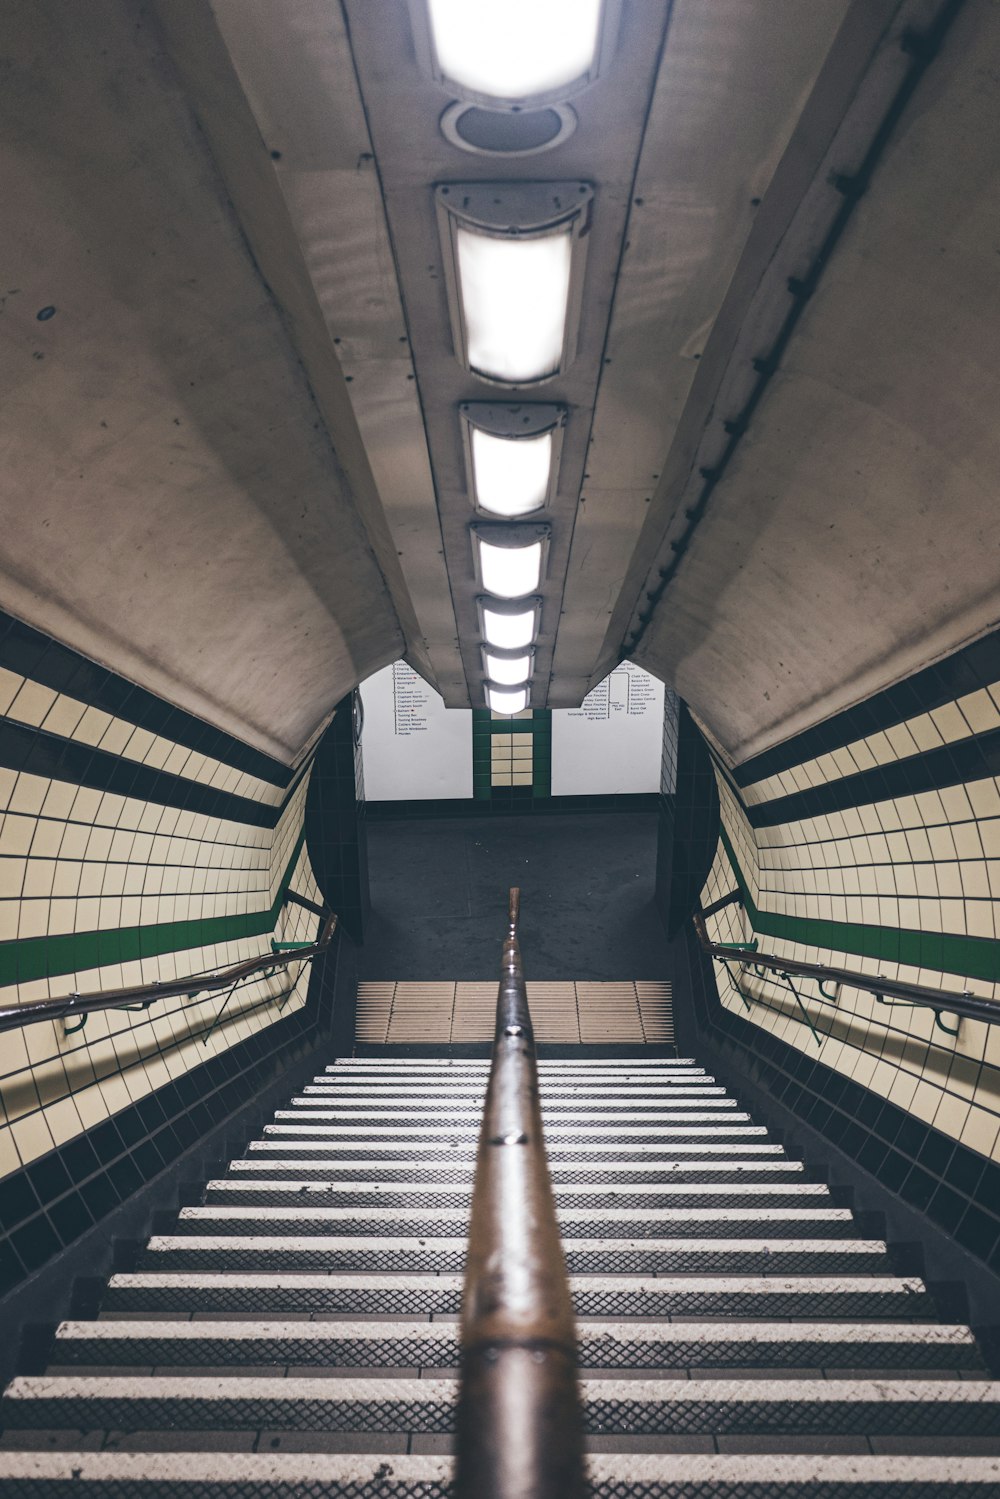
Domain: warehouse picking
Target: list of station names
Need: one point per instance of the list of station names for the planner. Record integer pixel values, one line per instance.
(631, 693)
(410, 701)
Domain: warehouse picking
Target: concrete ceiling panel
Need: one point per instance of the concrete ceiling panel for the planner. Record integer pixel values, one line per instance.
(730, 88)
(172, 505)
(853, 538)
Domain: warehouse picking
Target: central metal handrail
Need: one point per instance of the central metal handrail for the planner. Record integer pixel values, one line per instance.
(519, 1423)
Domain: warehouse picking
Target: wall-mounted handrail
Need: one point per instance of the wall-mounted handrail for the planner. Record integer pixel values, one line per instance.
(966, 1005)
(141, 996)
(519, 1425)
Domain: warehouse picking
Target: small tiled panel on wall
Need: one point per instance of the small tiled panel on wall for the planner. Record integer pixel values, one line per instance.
(872, 842)
(511, 757)
(446, 1013)
(137, 843)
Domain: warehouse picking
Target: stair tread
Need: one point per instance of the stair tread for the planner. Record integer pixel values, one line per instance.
(273, 1471)
(676, 1332)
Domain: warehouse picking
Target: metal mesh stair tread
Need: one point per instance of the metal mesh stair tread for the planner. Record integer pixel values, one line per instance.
(240, 1475)
(352, 1210)
(808, 1406)
(603, 1345)
(593, 1295)
(448, 1149)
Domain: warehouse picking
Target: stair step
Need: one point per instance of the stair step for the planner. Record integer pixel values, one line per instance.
(434, 1173)
(421, 1066)
(695, 1111)
(306, 1475)
(653, 1223)
(449, 1150)
(285, 1192)
(930, 1407)
(814, 1297)
(583, 1256)
(472, 1094)
(688, 1129)
(708, 1100)
(602, 1345)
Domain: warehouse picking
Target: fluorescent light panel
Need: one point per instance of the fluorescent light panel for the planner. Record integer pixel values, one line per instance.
(508, 671)
(510, 572)
(507, 700)
(515, 298)
(508, 632)
(510, 475)
(515, 49)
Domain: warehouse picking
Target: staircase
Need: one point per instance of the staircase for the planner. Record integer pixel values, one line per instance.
(293, 1335)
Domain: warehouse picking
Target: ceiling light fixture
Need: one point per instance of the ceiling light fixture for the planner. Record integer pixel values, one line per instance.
(510, 572)
(509, 627)
(507, 671)
(514, 299)
(511, 478)
(514, 263)
(512, 456)
(507, 700)
(523, 51)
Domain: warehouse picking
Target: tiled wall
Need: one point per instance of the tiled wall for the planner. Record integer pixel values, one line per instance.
(136, 843)
(873, 842)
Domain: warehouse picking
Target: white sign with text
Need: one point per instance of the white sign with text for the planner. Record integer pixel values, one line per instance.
(413, 747)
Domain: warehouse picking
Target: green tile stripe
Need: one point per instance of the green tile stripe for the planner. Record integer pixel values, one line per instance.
(541, 756)
(75, 952)
(945, 952)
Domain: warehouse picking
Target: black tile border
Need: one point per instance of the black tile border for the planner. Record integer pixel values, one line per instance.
(71, 1283)
(29, 653)
(965, 670)
(971, 759)
(393, 811)
(37, 752)
(932, 1189)
(52, 1203)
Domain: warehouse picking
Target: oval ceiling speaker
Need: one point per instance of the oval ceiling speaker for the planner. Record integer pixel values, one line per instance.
(495, 132)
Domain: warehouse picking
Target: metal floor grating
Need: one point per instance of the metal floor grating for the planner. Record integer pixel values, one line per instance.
(724, 1298)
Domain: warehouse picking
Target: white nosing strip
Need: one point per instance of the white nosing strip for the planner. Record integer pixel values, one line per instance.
(429, 1168)
(566, 1215)
(922, 1334)
(211, 1390)
(546, 1064)
(273, 1472)
(228, 1388)
(328, 1243)
(432, 1130)
(462, 1152)
(688, 1285)
(309, 1190)
(467, 1092)
(551, 1118)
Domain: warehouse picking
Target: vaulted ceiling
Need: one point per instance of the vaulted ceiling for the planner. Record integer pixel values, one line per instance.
(234, 465)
